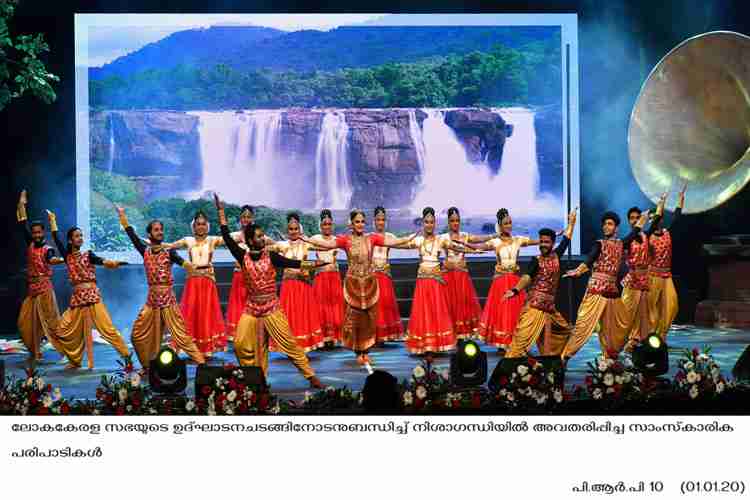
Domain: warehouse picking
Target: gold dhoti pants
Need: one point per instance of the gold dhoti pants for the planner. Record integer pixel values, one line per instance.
(359, 328)
(614, 327)
(148, 331)
(531, 324)
(633, 317)
(38, 317)
(251, 342)
(663, 304)
(76, 326)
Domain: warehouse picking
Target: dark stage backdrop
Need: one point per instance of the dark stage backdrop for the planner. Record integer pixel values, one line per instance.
(619, 42)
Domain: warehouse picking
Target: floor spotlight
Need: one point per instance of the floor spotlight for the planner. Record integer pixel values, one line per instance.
(651, 356)
(167, 373)
(468, 365)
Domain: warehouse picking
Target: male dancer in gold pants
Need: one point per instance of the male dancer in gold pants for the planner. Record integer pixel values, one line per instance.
(39, 314)
(161, 306)
(86, 311)
(263, 316)
(602, 298)
(539, 313)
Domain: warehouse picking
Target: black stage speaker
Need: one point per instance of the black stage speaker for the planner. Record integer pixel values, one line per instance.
(253, 377)
(741, 370)
(507, 366)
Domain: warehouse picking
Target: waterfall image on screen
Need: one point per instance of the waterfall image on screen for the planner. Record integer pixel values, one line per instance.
(360, 115)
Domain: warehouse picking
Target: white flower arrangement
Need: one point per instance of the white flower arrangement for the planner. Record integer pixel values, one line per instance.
(698, 375)
(418, 372)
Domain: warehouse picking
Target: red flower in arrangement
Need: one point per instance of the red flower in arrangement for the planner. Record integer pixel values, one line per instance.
(456, 403)
(612, 354)
(533, 380)
(263, 401)
(589, 380)
(64, 408)
(531, 361)
(233, 384)
(476, 401)
(33, 399)
(120, 410)
(241, 388)
(43, 411)
(503, 380)
(253, 398)
(230, 366)
(49, 387)
(206, 390)
(242, 407)
(418, 403)
(108, 399)
(136, 402)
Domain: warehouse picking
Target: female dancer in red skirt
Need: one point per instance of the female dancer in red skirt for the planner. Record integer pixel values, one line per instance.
(462, 298)
(430, 327)
(388, 324)
(297, 295)
(500, 317)
(327, 285)
(238, 292)
(200, 298)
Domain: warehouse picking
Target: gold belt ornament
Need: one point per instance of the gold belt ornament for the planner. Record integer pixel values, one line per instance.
(604, 277)
(204, 272)
(459, 265)
(85, 284)
(262, 298)
(660, 269)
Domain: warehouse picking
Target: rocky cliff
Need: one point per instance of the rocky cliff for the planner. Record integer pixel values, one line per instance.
(158, 144)
(482, 134)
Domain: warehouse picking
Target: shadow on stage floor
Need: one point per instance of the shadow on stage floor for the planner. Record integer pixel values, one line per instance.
(338, 367)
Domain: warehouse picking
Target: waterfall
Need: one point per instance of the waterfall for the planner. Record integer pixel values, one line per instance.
(332, 186)
(239, 152)
(111, 153)
(416, 136)
(450, 179)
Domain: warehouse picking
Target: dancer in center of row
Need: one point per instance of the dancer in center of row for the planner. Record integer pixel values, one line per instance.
(361, 290)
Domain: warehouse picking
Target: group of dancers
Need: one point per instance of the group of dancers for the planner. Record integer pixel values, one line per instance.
(317, 309)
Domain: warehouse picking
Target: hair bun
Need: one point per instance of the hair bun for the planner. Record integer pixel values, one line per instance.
(326, 213)
(502, 213)
(428, 211)
(292, 216)
(379, 210)
(453, 211)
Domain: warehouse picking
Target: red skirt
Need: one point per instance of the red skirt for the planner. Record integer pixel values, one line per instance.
(303, 312)
(202, 313)
(430, 326)
(388, 324)
(330, 295)
(462, 303)
(500, 317)
(236, 305)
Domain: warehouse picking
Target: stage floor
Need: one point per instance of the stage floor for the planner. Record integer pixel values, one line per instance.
(338, 367)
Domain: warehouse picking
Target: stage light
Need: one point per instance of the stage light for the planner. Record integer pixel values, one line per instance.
(468, 365)
(167, 373)
(651, 357)
(380, 392)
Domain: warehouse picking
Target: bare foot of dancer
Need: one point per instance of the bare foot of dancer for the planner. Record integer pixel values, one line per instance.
(315, 382)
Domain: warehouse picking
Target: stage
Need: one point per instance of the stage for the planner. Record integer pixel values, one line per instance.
(338, 367)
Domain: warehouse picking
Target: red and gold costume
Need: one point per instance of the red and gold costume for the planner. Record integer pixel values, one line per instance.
(430, 324)
(199, 303)
(500, 317)
(388, 318)
(86, 310)
(361, 290)
(298, 297)
(602, 299)
(237, 293)
(330, 295)
(263, 316)
(634, 299)
(539, 314)
(161, 307)
(462, 299)
(663, 303)
(39, 315)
